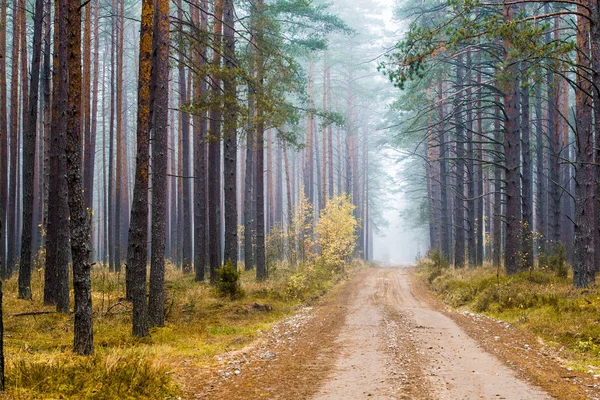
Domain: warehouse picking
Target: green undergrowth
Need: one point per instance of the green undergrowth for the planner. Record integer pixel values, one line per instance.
(540, 301)
(201, 322)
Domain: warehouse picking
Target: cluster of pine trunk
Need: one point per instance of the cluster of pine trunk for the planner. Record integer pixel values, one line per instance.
(85, 180)
(512, 148)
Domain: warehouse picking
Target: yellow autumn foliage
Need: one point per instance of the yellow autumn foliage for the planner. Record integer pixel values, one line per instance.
(336, 232)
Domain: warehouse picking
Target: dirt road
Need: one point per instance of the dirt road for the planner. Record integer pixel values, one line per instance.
(391, 339)
(382, 336)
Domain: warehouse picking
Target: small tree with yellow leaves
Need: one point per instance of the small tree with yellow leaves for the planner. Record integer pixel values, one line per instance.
(336, 230)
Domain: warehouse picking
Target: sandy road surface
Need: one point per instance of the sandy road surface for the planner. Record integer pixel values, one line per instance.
(396, 346)
(382, 336)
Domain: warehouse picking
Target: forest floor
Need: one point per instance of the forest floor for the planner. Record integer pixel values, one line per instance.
(384, 335)
(200, 326)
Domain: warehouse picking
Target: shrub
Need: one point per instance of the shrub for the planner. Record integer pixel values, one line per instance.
(438, 262)
(297, 286)
(228, 282)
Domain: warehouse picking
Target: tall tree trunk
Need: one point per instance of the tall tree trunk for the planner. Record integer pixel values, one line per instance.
(112, 237)
(160, 116)
(554, 209)
(526, 175)
(29, 155)
(330, 143)
(11, 224)
(459, 198)
(185, 152)
(290, 210)
(308, 163)
(595, 70)
(80, 220)
(269, 173)
(180, 183)
(173, 182)
(445, 236)
(3, 142)
(119, 180)
(585, 197)
(91, 160)
(261, 264)
(88, 180)
(279, 184)
(249, 198)
(56, 274)
(24, 123)
(498, 188)
(470, 164)
(200, 183)
(214, 152)
(512, 152)
(105, 185)
(230, 137)
(1, 268)
(541, 183)
(324, 138)
(137, 254)
(480, 193)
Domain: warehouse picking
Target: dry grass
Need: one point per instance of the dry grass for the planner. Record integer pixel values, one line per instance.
(199, 325)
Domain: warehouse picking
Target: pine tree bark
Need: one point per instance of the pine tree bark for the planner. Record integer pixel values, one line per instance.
(512, 152)
(91, 160)
(214, 151)
(459, 197)
(11, 224)
(324, 138)
(261, 265)
(1, 268)
(554, 209)
(541, 181)
(29, 151)
(526, 176)
(112, 237)
(585, 196)
(595, 71)
(230, 137)
(308, 162)
(105, 184)
(138, 229)
(481, 195)
(498, 188)
(56, 274)
(249, 216)
(120, 146)
(330, 144)
(24, 116)
(80, 220)
(185, 152)
(445, 235)
(46, 120)
(470, 164)
(269, 172)
(3, 140)
(88, 180)
(200, 130)
(160, 116)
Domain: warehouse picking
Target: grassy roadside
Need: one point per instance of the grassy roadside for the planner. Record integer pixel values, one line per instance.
(540, 302)
(199, 325)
